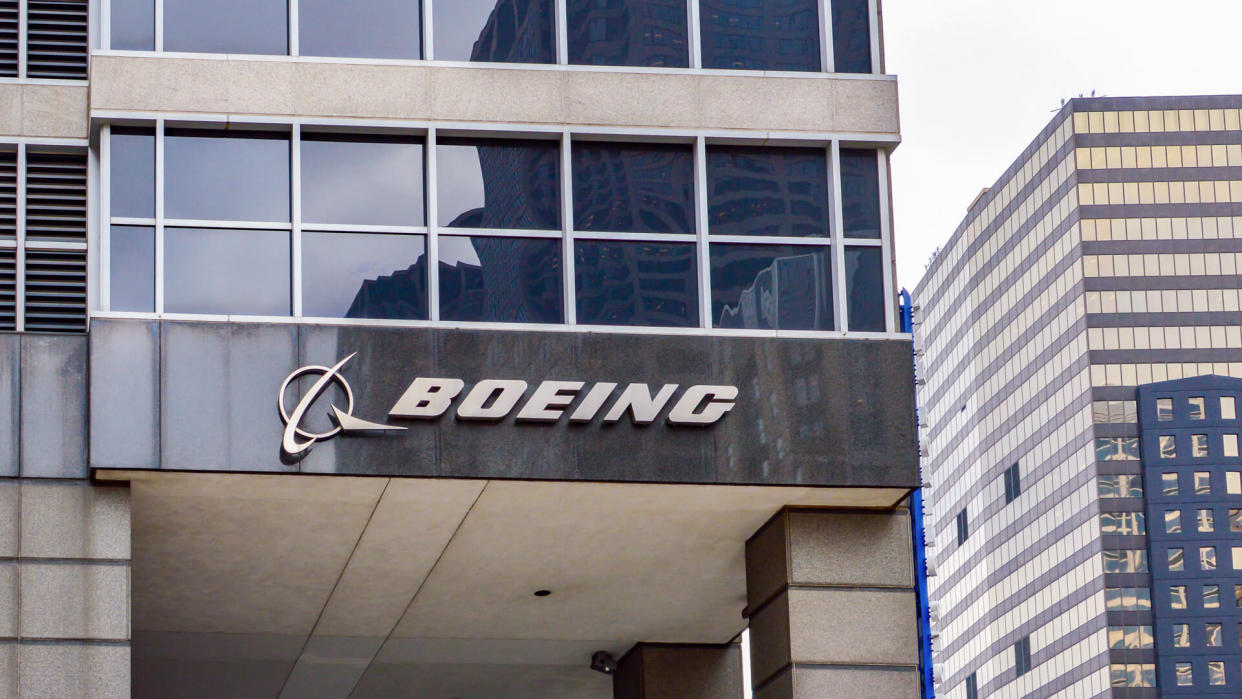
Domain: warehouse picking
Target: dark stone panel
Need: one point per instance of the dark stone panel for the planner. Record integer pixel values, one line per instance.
(1159, 138)
(10, 406)
(1120, 104)
(53, 406)
(125, 400)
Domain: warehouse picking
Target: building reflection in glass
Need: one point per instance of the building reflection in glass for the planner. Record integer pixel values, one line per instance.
(628, 33)
(364, 275)
(512, 280)
(633, 187)
(767, 191)
(768, 35)
(505, 31)
(636, 283)
(771, 287)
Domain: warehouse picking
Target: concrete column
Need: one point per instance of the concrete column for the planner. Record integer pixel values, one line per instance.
(64, 589)
(832, 605)
(670, 671)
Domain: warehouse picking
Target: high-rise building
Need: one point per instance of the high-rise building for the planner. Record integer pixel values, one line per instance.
(452, 348)
(1098, 277)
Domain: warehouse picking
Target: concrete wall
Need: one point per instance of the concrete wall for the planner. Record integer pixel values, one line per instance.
(48, 111)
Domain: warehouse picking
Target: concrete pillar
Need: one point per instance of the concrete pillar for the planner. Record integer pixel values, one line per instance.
(671, 671)
(832, 605)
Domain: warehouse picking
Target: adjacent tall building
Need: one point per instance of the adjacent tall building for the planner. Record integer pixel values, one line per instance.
(1075, 339)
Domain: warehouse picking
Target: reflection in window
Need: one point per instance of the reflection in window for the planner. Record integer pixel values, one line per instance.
(851, 36)
(1177, 596)
(767, 191)
(226, 271)
(227, 26)
(132, 184)
(1207, 558)
(360, 28)
(133, 25)
(1211, 596)
(1203, 483)
(1181, 635)
(362, 180)
(1216, 672)
(644, 283)
(628, 33)
(1199, 445)
(749, 35)
(1121, 486)
(1205, 521)
(506, 31)
(498, 183)
(1237, 602)
(226, 175)
(864, 284)
(1116, 448)
(633, 188)
(860, 193)
(132, 281)
(1169, 483)
(1237, 558)
(1235, 520)
(1197, 411)
(1164, 409)
(1124, 523)
(1173, 522)
(1125, 561)
(1177, 560)
(1212, 635)
(1185, 675)
(1168, 446)
(507, 280)
(363, 275)
(1229, 445)
(771, 286)
(1127, 599)
(1233, 482)
(1228, 408)
(1129, 637)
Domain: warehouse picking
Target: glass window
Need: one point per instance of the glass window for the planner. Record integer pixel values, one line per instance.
(505, 31)
(628, 33)
(1216, 672)
(1211, 596)
(132, 184)
(761, 35)
(365, 181)
(1212, 635)
(1164, 409)
(498, 183)
(132, 279)
(771, 286)
(226, 271)
(133, 25)
(851, 36)
(864, 286)
(1233, 483)
(1125, 523)
(1127, 598)
(1229, 442)
(363, 275)
(1237, 598)
(1235, 520)
(636, 283)
(633, 187)
(1203, 483)
(860, 193)
(361, 28)
(503, 280)
(1199, 445)
(1197, 410)
(1173, 521)
(227, 26)
(1121, 486)
(1177, 560)
(1116, 448)
(1168, 446)
(1125, 561)
(1207, 558)
(1169, 483)
(1237, 558)
(1181, 635)
(1185, 675)
(767, 191)
(1177, 596)
(226, 176)
(1228, 408)
(1206, 523)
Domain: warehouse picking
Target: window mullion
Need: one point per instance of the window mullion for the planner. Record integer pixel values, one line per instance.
(428, 40)
(700, 223)
(569, 292)
(838, 237)
(105, 218)
(293, 30)
(159, 26)
(22, 12)
(159, 215)
(431, 210)
(19, 293)
(295, 182)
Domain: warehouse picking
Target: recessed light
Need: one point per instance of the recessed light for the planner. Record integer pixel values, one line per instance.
(542, 593)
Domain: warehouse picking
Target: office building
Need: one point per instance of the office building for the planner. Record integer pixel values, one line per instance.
(1095, 282)
(469, 348)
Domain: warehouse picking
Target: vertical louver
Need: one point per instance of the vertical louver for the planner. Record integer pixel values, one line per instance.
(8, 38)
(56, 39)
(8, 194)
(56, 290)
(8, 288)
(56, 196)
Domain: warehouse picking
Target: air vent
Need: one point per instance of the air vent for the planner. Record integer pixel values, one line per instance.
(56, 196)
(56, 290)
(8, 38)
(8, 195)
(56, 39)
(8, 289)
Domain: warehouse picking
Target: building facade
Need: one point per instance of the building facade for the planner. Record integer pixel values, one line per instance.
(1104, 260)
(483, 348)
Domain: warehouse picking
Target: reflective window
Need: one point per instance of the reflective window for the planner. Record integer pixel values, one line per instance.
(509, 31)
(361, 28)
(1205, 521)
(1229, 444)
(1181, 635)
(498, 183)
(1212, 635)
(860, 193)
(750, 35)
(1173, 521)
(1236, 552)
(1164, 409)
(509, 280)
(628, 33)
(1237, 602)
(771, 286)
(1235, 520)
(635, 283)
(1128, 599)
(352, 180)
(1169, 483)
(1177, 560)
(1211, 596)
(1203, 483)
(226, 175)
(132, 281)
(1216, 672)
(633, 188)
(226, 271)
(1177, 596)
(1207, 558)
(133, 25)
(1185, 675)
(1233, 482)
(1199, 445)
(851, 36)
(132, 184)
(1121, 486)
(1125, 561)
(1129, 637)
(1168, 446)
(1228, 408)
(363, 275)
(227, 26)
(1126, 523)
(864, 284)
(767, 191)
(1197, 410)
(1116, 448)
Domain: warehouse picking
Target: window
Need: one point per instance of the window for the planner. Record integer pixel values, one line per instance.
(1115, 412)
(1121, 486)
(1211, 596)
(1233, 482)
(1198, 445)
(628, 33)
(633, 188)
(1169, 483)
(1177, 597)
(1228, 408)
(972, 686)
(363, 28)
(133, 25)
(1125, 561)
(227, 26)
(226, 175)
(963, 530)
(1116, 448)
(1197, 409)
(1172, 521)
(1203, 483)
(1216, 672)
(1229, 444)
(519, 31)
(355, 180)
(851, 36)
(1124, 523)
(226, 271)
(1185, 675)
(1237, 597)
(1206, 523)
(864, 283)
(1236, 552)
(860, 192)
(1164, 409)
(1177, 559)
(1013, 484)
(1127, 599)
(1132, 675)
(364, 275)
(761, 36)
(1168, 446)
(133, 249)
(1022, 656)
(1181, 635)
(771, 286)
(1207, 558)
(1211, 635)
(636, 283)
(1129, 637)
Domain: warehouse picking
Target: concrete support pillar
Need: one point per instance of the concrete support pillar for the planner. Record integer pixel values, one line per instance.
(669, 671)
(832, 605)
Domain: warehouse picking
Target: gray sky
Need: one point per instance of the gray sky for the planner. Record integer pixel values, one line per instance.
(980, 78)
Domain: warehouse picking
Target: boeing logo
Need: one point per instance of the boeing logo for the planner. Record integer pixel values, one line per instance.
(495, 399)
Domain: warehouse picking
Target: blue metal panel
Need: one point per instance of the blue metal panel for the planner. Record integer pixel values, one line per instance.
(906, 317)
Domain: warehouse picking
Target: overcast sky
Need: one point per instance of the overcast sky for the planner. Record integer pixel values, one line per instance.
(980, 78)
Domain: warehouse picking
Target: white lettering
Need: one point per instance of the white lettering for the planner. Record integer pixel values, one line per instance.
(701, 406)
(491, 399)
(637, 399)
(549, 401)
(427, 398)
(593, 401)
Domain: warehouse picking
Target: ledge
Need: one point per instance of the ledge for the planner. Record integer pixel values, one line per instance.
(43, 111)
